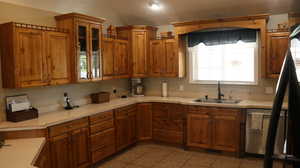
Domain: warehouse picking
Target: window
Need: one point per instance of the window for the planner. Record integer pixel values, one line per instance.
(230, 63)
(295, 50)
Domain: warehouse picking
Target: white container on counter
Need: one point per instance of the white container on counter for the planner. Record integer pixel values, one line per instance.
(164, 89)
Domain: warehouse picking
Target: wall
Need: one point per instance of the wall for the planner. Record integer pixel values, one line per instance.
(258, 92)
(50, 98)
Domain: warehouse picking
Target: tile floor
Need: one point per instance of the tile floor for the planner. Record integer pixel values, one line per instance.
(160, 156)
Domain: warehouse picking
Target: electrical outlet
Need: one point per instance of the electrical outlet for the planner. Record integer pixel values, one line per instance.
(114, 90)
(181, 88)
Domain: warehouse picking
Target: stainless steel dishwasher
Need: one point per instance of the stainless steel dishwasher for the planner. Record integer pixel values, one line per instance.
(257, 125)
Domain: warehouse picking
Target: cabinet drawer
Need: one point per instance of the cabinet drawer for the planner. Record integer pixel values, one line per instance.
(69, 126)
(102, 139)
(108, 115)
(168, 136)
(101, 126)
(199, 109)
(124, 111)
(103, 153)
(169, 125)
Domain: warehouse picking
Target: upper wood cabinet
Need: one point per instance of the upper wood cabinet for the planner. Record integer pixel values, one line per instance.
(139, 40)
(277, 45)
(115, 58)
(34, 56)
(86, 37)
(163, 58)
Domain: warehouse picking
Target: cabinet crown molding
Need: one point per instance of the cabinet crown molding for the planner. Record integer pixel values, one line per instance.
(80, 16)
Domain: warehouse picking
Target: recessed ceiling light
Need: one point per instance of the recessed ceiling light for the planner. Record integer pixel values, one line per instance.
(155, 5)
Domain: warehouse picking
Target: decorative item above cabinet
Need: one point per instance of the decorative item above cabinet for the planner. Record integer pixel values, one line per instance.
(34, 55)
(86, 37)
(139, 40)
(277, 45)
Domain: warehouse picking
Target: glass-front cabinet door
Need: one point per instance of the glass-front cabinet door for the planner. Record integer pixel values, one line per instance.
(83, 60)
(95, 51)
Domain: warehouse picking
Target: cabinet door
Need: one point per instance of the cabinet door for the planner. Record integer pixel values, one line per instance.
(122, 130)
(43, 160)
(58, 54)
(60, 151)
(121, 63)
(157, 58)
(225, 132)
(171, 65)
(139, 54)
(144, 121)
(108, 58)
(132, 127)
(31, 64)
(95, 51)
(277, 48)
(83, 60)
(199, 130)
(80, 147)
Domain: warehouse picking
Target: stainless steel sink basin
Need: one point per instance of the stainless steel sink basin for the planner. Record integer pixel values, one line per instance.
(225, 101)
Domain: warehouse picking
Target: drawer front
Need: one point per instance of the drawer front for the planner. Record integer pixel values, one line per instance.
(102, 126)
(108, 115)
(199, 109)
(168, 125)
(125, 111)
(69, 126)
(102, 153)
(168, 136)
(102, 139)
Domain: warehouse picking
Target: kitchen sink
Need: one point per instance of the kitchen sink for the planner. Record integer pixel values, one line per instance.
(225, 101)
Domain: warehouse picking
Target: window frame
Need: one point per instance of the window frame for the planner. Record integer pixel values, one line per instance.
(212, 82)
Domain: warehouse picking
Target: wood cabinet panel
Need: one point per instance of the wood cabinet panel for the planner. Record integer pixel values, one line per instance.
(172, 68)
(103, 116)
(157, 58)
(103, 139)
(102, 126)
(43, 160)
(102, 153)
(277, 46)
(80, 147)
(139, 54)
(108, 58)
(121, 64)
(144, 121)
(199, 128)
(31, 64)
(58, 55)
(60, 151)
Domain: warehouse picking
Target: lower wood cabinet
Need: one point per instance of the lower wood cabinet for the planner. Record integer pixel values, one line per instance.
(43, 160)
(214, 128)
(168, 122)
(69, 144)
(144, 121)
(125, 126)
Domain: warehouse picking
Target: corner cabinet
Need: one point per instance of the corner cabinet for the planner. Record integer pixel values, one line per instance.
(139, 40)
(115, 58)
(34, 55)
(277, 45)
(164, 58)
(86, 37)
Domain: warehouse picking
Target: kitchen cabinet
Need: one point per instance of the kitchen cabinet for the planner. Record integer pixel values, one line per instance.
(163, 58)
(34, 55)
(139, 40)
(144, 121)
(69, 144)
(115, 58)
(102, 138)
(214, 128)
(86, 37)
(125, 127)
(277, 45)
(43, 160)
(168, 122)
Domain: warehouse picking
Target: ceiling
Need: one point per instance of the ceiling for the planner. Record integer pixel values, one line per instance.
(137, 11)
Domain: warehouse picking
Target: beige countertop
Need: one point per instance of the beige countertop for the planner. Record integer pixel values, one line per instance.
(21, 153)
(52, 118)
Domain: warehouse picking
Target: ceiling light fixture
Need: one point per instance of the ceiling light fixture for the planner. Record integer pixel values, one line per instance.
(155, 5)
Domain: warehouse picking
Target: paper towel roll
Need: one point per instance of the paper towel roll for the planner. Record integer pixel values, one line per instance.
(164, 89)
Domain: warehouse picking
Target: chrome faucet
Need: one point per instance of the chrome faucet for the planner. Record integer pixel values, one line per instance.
(220, 95)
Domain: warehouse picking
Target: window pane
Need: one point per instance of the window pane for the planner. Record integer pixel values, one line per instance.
(228, 62)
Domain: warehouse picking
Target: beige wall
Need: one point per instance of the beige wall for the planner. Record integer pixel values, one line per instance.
(51, 98)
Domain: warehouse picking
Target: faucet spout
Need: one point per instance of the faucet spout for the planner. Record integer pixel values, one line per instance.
(220, 94)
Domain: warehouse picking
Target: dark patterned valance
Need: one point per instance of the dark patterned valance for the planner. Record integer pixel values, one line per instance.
(218, 37)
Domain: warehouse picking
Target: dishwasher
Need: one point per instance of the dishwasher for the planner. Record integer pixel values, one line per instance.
(257, 126)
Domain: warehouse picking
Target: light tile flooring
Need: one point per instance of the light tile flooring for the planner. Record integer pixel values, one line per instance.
(160, 156)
